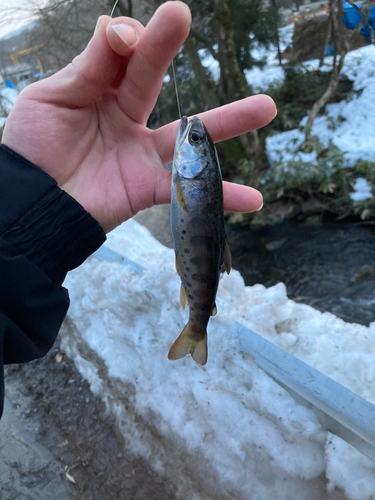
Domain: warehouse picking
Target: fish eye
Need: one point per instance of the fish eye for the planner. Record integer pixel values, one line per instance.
(195, 137)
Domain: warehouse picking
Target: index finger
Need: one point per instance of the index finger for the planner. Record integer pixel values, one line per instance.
(226, 122)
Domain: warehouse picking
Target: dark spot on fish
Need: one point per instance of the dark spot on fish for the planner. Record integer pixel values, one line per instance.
(191, 297)
(188, 269)
(194, 261)
(182, 220)
(182, 238)
(186, 250)
(188, 284)
(185, 275)
(183, 231)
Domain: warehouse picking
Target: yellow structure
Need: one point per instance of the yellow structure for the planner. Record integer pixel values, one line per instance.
(25, 52)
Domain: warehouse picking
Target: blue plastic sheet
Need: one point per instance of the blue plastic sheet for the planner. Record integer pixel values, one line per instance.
(352, 18)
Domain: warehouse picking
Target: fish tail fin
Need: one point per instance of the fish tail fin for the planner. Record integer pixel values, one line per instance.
(186, 344)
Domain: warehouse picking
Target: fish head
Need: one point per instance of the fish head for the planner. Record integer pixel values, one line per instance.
(194, 148)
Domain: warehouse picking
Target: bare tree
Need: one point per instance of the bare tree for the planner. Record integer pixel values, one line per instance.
(341, 48)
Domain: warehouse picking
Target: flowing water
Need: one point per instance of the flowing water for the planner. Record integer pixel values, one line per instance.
(330, 267)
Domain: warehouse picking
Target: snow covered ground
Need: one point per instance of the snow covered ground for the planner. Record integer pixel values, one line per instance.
(225, 429)
(348, 124)
(7, 99)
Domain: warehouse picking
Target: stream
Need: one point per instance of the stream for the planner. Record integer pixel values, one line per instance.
(330, 267)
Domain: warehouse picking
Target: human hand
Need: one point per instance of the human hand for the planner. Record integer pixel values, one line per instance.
(86, 125)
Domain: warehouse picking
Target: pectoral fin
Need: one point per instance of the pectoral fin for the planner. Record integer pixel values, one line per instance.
(180, 194)
(227, 258)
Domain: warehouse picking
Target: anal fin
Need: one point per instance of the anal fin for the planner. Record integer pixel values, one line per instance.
(183, 298)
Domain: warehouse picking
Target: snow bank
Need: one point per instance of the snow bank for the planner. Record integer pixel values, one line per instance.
(349, 124)
(226, 430)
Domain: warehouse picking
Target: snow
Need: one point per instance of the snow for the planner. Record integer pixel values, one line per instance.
(349, 124)
(7, 99)
(362, 190)
(227, 425)
(260, 79)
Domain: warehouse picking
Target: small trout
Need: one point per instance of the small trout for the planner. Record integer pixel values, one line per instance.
(200, 242)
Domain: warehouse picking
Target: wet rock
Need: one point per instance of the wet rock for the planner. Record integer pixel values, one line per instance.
(365, 272)
(274, 245)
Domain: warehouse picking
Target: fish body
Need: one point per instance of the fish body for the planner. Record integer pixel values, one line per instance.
(197, 222)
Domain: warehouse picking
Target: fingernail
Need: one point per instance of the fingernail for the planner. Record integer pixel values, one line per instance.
(272, 119)
(260, 208)
(127, 34)
(97, 24)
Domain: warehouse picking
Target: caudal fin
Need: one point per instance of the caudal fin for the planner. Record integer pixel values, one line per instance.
(185, 344)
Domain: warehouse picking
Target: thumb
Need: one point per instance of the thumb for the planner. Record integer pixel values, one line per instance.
(92, 72)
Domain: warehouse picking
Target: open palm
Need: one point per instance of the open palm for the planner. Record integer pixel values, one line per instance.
(86, 125)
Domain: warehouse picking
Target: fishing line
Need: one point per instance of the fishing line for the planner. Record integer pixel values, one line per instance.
(114, 8)
(176, 90)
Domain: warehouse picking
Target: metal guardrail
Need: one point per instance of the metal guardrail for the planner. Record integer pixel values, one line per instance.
(351, 411)
(349, 416)
(108, 255)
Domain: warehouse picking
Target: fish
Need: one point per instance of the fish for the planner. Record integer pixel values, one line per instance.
(200, 242)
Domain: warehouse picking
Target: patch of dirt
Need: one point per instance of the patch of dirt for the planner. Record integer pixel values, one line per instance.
(89, 457)
(309, 40)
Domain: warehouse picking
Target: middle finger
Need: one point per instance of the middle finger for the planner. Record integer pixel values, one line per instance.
(160, 42)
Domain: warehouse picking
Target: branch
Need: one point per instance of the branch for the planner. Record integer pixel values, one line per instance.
(206, 42)
(359, 12)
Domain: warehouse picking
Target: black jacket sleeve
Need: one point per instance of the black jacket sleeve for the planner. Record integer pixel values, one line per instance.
(44, 233)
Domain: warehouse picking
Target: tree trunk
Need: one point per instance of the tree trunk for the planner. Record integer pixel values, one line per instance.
(335, 16)
(233, 84)
(326, 42)
(209, 99)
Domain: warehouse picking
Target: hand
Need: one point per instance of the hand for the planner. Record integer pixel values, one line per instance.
(86, 125)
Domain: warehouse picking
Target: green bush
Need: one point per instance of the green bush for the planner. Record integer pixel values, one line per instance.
(324, 175)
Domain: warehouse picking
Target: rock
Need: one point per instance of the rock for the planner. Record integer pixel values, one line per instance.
(365, 272)
(274, 245)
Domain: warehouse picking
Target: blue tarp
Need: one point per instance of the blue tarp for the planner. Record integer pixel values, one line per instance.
(9, 83)
(352, 18)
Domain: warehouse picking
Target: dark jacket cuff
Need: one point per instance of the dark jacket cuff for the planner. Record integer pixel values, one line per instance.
(41, 221)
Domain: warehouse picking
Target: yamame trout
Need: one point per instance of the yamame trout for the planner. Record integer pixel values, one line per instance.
(200, 243)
